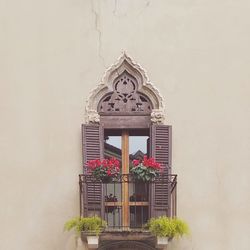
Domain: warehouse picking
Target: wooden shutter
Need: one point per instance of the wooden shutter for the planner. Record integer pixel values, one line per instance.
(160, 137)
(92, 137)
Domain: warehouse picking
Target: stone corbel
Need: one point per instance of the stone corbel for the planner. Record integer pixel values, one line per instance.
(92, 117)
(157, 116)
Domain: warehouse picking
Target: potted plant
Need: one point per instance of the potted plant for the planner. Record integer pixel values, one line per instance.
(138, 197)
(110, 198)
(146, 169)
(165, 229)
(104, 170)
(91, 227)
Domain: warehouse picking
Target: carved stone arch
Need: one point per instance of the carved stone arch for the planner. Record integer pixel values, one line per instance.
(125, 98)
(143, 96)
(126, 245)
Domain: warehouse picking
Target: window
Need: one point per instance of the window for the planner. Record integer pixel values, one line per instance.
(125, 121)
(126, 201)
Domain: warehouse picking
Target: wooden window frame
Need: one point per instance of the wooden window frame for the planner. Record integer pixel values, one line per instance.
(126, 203)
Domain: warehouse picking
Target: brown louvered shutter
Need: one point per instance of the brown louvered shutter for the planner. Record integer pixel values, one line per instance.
(92, 137)
(160, 137)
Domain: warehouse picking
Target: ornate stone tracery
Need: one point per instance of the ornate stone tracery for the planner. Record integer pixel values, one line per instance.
(125, 97)
(125, 90)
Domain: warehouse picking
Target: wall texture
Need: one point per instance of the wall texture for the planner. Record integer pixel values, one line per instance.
(53, 53)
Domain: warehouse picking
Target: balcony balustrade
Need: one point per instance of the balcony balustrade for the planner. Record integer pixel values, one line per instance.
(126, 203)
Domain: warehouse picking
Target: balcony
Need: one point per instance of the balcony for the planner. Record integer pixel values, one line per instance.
(127, 204)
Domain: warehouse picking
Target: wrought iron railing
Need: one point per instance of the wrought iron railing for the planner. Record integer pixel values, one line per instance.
(125, 202)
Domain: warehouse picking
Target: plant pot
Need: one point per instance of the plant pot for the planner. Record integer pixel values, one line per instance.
(161, 242)
(139, 179)
(92, 241)
(106, 179)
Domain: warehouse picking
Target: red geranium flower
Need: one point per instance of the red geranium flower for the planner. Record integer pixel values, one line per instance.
(146, 169)
(104, 168)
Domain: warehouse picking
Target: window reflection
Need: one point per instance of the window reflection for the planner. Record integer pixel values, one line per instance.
(112, 147)
(113, 191)
(138, 146)
(137, 193)
(113, 216)
(138, 216)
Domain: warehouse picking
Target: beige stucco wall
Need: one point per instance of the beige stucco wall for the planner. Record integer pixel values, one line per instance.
(53, 53)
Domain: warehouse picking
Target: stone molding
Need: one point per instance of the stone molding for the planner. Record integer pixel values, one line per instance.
(125, 63)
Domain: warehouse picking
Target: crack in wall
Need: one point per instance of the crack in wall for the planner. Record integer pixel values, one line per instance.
(147, 3)
(115, 8)
(98, 30)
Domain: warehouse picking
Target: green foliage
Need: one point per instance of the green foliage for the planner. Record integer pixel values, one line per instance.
(72, 223)
(167, 227)
(93, 225)
(144, 173)
(146, 169)
(181, 227)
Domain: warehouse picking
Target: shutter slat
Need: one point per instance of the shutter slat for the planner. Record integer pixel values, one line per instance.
(161, 151)
(92, 149)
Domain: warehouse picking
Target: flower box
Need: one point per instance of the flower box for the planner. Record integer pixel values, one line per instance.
(104, 170)
(145, 170)
(161, 242)
(92, 241)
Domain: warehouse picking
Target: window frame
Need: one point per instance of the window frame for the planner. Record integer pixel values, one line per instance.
(125, 202)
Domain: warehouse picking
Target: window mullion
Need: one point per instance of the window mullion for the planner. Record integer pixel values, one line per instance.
(125, 171)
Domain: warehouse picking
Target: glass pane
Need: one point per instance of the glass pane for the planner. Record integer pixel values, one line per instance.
(112, 192)
(138, 216)
(138, 146)
(113, 216)
(112, 149)
(138, 191)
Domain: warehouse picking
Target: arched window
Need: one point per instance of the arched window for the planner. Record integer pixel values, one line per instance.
(125, 120)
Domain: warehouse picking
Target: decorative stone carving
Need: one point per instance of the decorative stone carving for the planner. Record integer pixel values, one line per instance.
(157, 116)
(125, 97)
(92, 117)
(124, 88)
